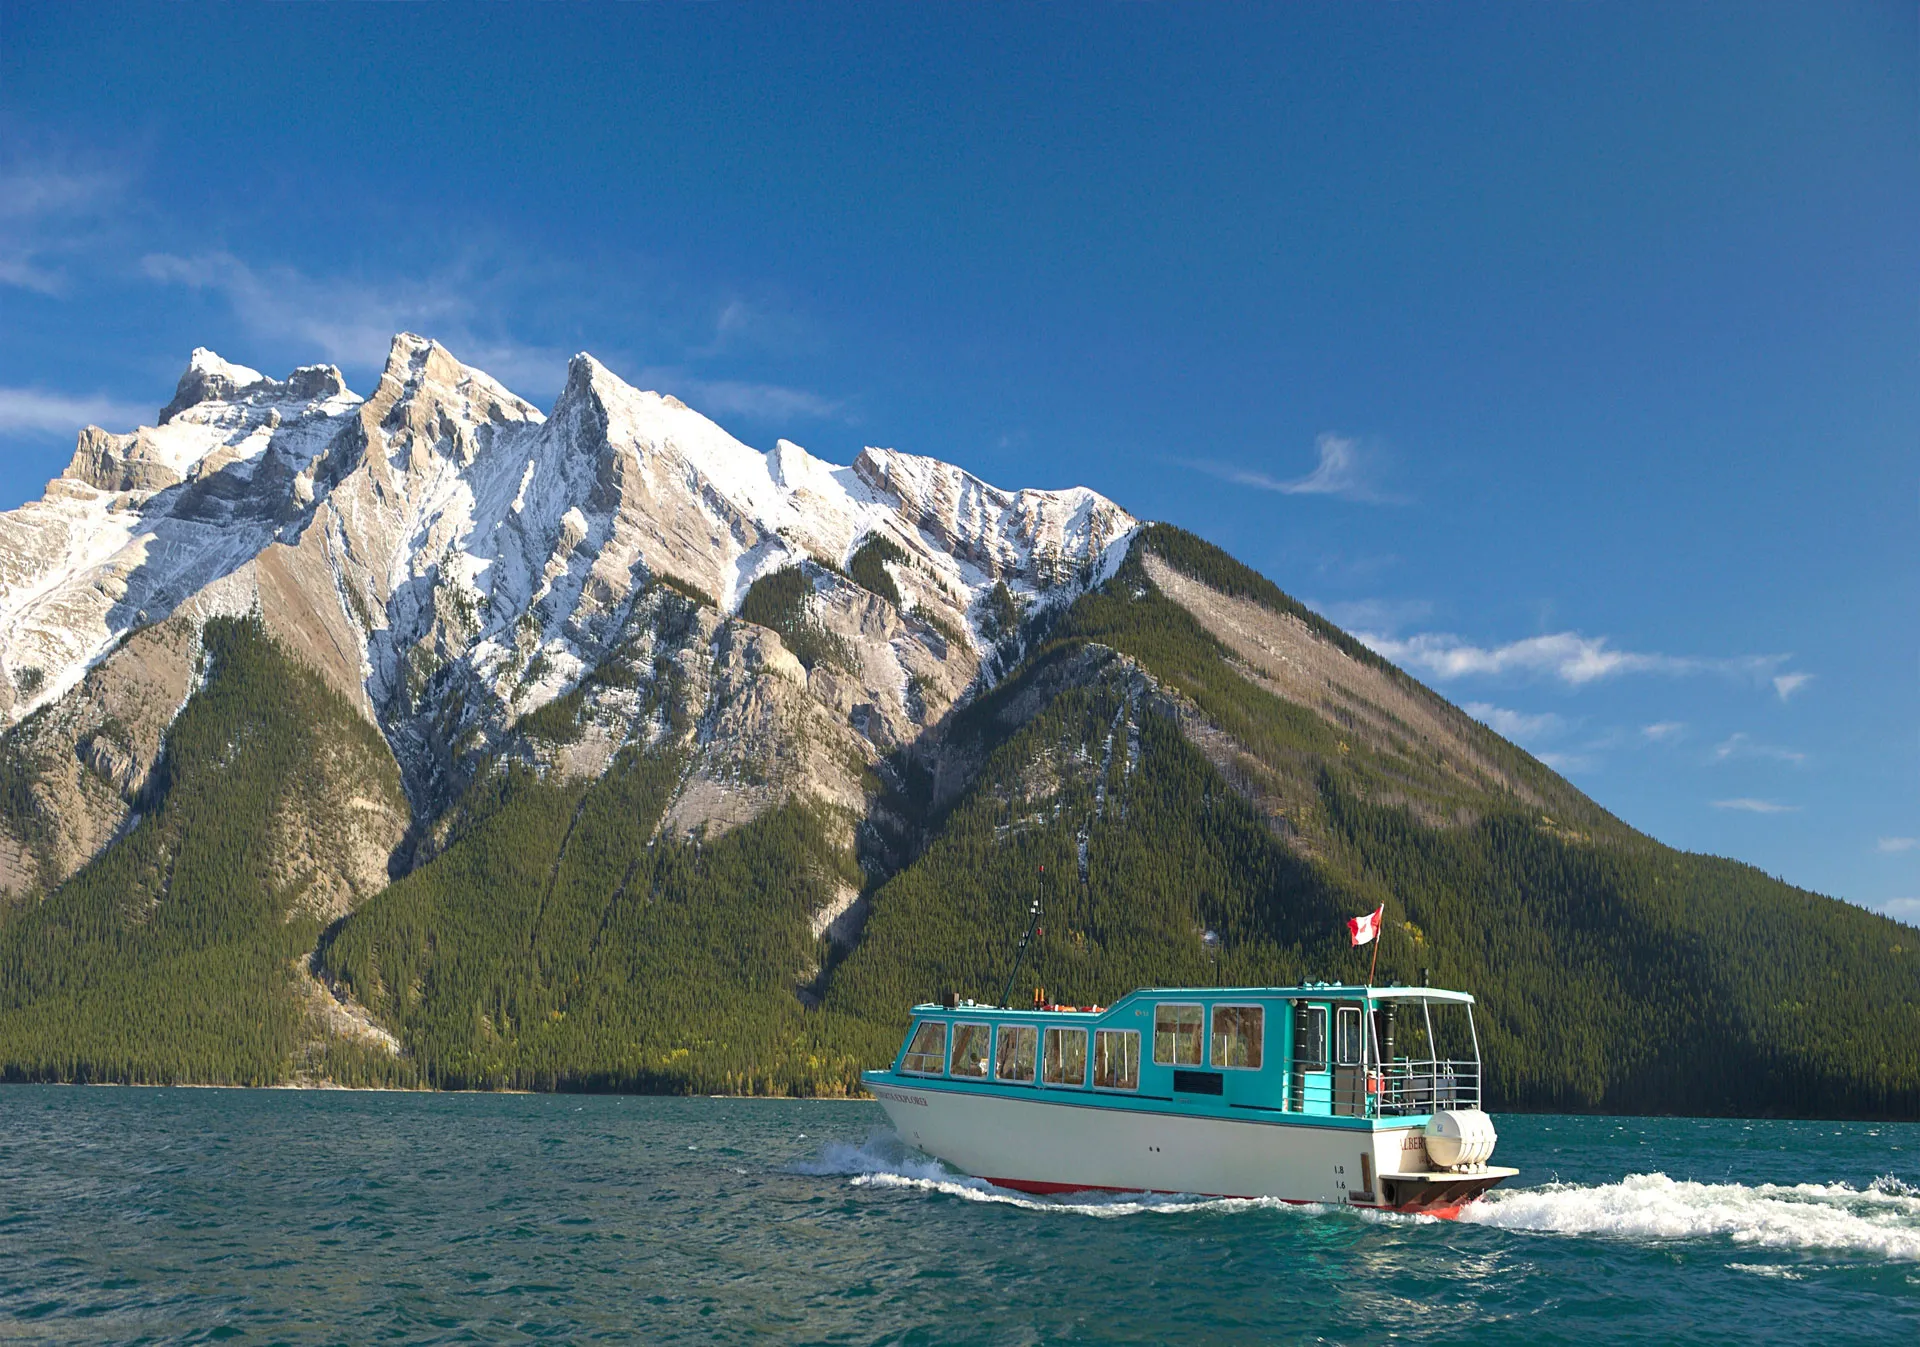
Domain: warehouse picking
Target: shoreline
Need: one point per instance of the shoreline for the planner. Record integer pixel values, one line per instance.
(327, 1087)
(863, 1098)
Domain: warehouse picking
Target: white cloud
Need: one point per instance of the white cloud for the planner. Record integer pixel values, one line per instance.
(1892, 845)
(1519, 726)
(1743, 745)
(33, 410)
(1343, 471)
(1663, 731)
(1752, 806)
(1902, 909)
(1572, 658)
(1569, 762)
(1788, 684)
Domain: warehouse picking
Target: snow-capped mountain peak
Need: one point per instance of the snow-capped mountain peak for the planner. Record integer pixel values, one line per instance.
(443, 531)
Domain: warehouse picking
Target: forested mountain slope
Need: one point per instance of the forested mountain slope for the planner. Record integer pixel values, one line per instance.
(669, 814)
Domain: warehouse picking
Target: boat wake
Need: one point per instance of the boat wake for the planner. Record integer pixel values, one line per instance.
(1881, 1219)
(884, 1161)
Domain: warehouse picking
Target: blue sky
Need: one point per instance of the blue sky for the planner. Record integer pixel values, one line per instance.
(1569, 352)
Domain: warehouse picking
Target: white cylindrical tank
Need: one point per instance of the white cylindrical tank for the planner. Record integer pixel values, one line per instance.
(1460, 1138)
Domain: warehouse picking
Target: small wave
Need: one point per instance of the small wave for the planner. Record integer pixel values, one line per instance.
(1774, 1270)
(883, 1161)
(1882, 1219)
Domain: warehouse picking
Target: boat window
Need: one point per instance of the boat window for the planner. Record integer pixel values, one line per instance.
(1347, 1036)
(1066, 1060)
(1014, 1060)
(1310, 1038)
(1116, 1059)
(1239, 1033)
(1179, 1034)
(927, 1051)
(971, 1044)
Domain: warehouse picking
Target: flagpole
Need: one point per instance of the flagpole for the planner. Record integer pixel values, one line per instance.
(1378, 936)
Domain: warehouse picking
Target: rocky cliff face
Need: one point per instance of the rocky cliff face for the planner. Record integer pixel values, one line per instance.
(454, 562)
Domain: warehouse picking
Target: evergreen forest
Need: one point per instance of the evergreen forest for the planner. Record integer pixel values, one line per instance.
(560, 939)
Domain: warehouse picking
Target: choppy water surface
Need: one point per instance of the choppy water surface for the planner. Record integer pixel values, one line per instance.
(334, 1217)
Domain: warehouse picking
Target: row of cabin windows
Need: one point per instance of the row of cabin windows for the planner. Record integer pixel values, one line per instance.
(1018, 1055)
(1239, 1036)
(1179, 1039)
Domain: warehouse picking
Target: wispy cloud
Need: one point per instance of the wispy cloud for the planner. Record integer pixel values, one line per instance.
(1345, 471)
(1892, 845)
(1379, 615)
(1570, 762)
(740, 324)
(1743, 745)
(732, 397)
(1519, 726)
(1789, 683)
(1663, 731)
(47, 211)
(34, 410)
(1351, 569)
(1902, 909)
(1752, 806)
(351, 322)
(1568, 656)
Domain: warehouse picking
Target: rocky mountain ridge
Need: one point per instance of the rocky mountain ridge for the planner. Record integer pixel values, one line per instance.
(453, 561)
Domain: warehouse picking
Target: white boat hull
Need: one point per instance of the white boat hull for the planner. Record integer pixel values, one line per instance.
(1051, 1143)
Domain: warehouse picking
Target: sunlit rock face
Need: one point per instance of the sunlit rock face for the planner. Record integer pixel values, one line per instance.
(452, 560)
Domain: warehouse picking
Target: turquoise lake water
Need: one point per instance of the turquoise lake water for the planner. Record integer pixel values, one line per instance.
(283, 1216)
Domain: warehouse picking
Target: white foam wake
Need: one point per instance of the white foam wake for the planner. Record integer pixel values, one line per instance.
(883, 1161)
(1882, 1219)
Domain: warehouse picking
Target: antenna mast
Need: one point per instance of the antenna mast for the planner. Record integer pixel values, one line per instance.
(1020, 954)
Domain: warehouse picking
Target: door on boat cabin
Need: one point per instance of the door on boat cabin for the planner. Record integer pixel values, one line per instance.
(1349, 1061)
(1312, 1081)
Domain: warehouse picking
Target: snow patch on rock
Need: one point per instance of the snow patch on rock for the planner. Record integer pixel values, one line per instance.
(484, 557)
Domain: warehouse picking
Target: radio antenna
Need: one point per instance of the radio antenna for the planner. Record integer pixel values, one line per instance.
(1020, 953)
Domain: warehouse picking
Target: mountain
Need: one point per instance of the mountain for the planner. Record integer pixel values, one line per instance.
(422, 738)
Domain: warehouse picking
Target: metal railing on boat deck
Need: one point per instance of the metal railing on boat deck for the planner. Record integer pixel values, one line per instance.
(1405, 1087)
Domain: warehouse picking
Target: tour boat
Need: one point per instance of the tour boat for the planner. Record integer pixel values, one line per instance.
(1356, 1096)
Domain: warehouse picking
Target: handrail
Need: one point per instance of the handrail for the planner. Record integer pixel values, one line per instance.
(1408, 1087)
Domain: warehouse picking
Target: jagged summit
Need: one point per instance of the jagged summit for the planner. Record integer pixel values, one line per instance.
(208, 378)
(453, 559)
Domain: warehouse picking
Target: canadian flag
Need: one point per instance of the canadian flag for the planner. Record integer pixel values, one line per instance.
(1366, 929)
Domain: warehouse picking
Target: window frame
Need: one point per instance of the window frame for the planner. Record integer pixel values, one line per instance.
(906, 1053)
(1340, 1015)
(1324, 1062)
(1174, 1060)
(1093, 1067)
(986, 1062)
(1046, 1057)
(1000, 1079)
(1260, 1047)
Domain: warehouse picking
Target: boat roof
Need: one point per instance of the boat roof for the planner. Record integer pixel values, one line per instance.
(1306, 991)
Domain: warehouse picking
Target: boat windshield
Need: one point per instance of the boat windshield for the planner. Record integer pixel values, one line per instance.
(1429, 1056)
